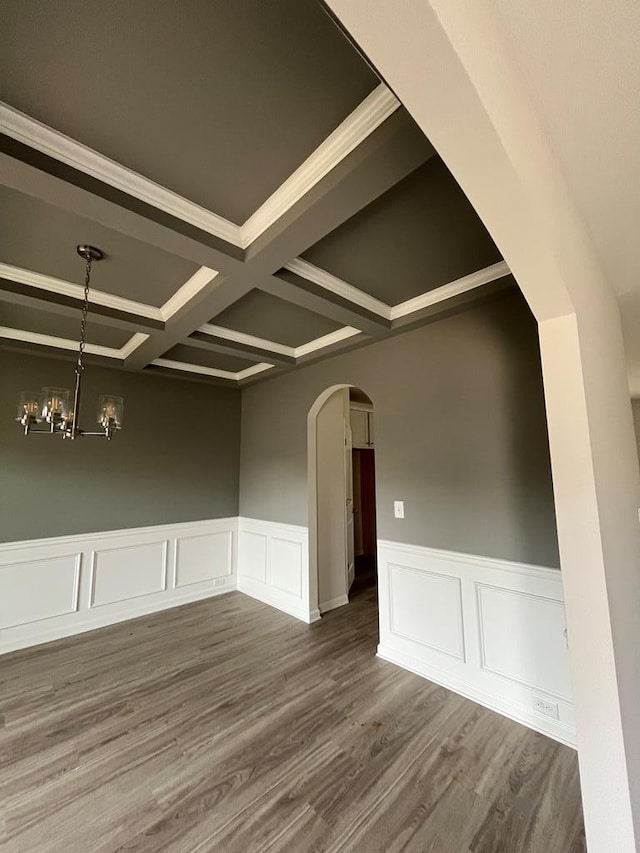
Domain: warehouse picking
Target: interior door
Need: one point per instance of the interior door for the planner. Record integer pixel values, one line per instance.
(349, 527)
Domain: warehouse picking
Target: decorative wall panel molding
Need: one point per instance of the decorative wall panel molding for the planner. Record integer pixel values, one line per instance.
(40, 587)
(273, 565)
(491, 630)
(111, 578)
(52, 588)
(203, 557)
(426, 607)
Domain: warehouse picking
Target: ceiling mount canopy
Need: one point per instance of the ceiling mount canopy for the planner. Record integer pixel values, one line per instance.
(52, 405)
(89, 253)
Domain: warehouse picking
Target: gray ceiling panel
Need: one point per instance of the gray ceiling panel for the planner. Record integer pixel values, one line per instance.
(421, 234)
(42, 238)
(60, 326)
(233, 94)
(273, 319)
(194, 355)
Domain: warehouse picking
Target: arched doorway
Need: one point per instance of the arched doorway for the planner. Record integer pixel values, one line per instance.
(342, 512)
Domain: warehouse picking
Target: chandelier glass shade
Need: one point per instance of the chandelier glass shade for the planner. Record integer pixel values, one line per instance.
(53, 411)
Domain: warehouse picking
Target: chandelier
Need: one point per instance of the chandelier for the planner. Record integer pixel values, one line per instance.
(52, 406)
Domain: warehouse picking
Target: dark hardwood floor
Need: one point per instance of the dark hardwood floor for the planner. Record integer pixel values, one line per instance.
(228, 726)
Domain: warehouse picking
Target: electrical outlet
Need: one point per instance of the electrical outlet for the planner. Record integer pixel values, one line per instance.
(219, 581)
(398, 509)
(543, 706)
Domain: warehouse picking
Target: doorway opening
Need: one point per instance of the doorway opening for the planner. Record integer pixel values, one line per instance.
(363, 482)
(342, 498)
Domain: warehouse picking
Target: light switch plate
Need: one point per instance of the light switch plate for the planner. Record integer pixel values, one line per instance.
(398, 509)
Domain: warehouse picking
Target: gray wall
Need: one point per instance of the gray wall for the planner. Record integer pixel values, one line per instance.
(149, 474)
(460, 435)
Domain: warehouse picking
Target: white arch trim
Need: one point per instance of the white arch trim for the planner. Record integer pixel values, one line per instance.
(312, 487)
(450, 65)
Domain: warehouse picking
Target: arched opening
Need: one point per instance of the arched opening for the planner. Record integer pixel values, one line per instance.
(342, 503)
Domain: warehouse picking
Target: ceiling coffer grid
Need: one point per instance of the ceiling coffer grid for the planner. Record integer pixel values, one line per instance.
(371, 151)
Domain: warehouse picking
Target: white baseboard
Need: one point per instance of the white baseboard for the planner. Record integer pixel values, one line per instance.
(267, 596)
(491, 630)
(58, 587)
(273, 566)
(333, 603)
(513, 710)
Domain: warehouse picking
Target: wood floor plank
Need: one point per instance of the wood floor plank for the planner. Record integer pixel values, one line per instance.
(228, 726)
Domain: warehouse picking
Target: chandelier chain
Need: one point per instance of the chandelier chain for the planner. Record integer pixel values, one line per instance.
(85, 311)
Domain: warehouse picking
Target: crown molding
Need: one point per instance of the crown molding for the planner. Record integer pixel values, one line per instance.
(326, 341)
(180, 298)
(347, 291)
(280, 349)
(65, 343)
(251, 371)
(185, 294)
(336, 285)
(76, 291)
(367, 116)
(57, 343)
(248, 340)
(54, 144)
(453, 288)
(211, 371)
(132, 344)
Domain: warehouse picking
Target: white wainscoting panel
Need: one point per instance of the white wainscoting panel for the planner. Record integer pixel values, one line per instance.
(426, 607)
(491, 630)
(285, 565)
(203, 558)
(52, 588)
(273, 565)
(520, 638)
(253, 554)
(38, 588)
(120, 574)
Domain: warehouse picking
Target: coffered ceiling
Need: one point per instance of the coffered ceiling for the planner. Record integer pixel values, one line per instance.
(262, 199)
